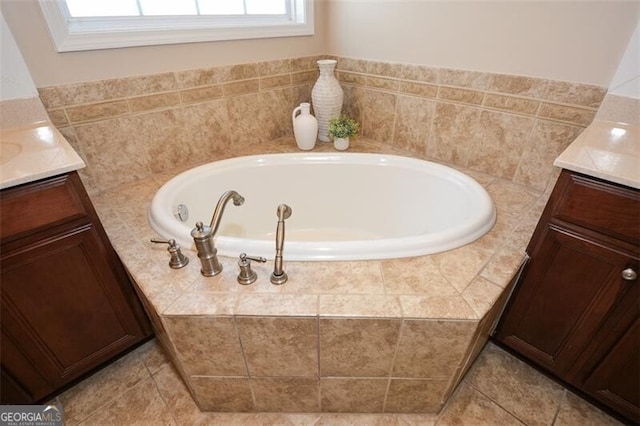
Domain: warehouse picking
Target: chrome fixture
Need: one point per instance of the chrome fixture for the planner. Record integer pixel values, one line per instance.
(279, 276)
(181, 212)
(178, 260)
(629, 274)
(203, 235)
(247, 275)
(238, 200)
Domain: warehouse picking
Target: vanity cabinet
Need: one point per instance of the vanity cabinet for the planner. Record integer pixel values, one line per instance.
(575, 311)
(67, 304)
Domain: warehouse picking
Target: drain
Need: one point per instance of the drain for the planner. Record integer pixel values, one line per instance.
(181, 212)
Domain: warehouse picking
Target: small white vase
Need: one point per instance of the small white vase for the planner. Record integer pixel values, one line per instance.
(305, 126)
(341, 143)
(326, 97)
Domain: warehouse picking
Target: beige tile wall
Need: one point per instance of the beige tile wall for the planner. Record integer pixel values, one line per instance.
(328, 364)
(505, 125)
(311, 364)
(130, 128)
(509, 126)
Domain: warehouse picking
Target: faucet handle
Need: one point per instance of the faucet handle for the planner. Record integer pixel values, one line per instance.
(201, 232)
(178, 260)
(244, 257)
(247, 275)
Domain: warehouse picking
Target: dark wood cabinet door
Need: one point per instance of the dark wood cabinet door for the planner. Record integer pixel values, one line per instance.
(615, 379)
(609, 368)
(19, 370)
(570, 288)
(63, 309)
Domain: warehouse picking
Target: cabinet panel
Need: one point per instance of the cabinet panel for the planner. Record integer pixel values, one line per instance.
(62, 307)
(609, 368)
(606, 208)
(12, 391)
(21, 383)
(35, 206)
(569, 289)
(615, 379)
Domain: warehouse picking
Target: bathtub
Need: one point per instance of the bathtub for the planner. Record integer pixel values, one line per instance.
(346, 206)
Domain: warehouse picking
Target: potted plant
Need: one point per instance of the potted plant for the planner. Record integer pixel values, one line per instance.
(342, 128)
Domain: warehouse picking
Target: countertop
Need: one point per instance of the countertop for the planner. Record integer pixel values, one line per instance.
(33, 152)
(606, 150)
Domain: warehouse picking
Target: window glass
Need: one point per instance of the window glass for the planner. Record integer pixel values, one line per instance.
(217, 7)
(86, 8)
(95, 8)
(167, 7)
(266, 7)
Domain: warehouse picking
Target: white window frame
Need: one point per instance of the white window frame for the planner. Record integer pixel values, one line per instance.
(76, 34)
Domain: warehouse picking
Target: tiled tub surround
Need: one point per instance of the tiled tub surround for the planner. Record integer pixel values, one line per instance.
(372, 336)
(508, 126)
(130, 128)
(369, 336)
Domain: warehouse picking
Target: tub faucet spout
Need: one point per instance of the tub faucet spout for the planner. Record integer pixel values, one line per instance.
(279, 276)
(238, 200)
(203, 236)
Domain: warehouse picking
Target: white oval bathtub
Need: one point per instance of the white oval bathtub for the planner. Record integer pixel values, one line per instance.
(345, 206)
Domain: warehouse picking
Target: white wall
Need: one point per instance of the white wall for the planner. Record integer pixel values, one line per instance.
(561, 40)
(626, 81)
(15, 80)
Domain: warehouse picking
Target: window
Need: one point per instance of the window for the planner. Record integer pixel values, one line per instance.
(100, 24)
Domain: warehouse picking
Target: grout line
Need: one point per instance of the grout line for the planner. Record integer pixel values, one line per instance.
(563, 400)
(497, 404)
(395, 119)
(117, 397)
(244, 360)
(104, 371)
(162, 397)
(393, 364)
(319, 377)
(528, 144)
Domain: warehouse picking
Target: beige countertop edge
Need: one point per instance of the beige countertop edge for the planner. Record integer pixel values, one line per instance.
(605, 150)
(35, 151)
(32, 177)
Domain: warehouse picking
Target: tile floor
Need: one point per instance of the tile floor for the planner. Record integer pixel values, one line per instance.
(142, 388)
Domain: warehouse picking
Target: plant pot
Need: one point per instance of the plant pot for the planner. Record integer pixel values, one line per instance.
(341, 143)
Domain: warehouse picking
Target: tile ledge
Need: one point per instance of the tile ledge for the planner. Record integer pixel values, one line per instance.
(284, 144)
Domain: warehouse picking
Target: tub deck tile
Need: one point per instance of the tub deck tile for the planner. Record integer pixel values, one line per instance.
(437, 307)
(415, 275)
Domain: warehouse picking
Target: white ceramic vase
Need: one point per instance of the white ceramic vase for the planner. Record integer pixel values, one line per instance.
(326, 97)
(341, 143)
(305, 126)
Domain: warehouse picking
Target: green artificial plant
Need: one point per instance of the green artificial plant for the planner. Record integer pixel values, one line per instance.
(343, 127)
